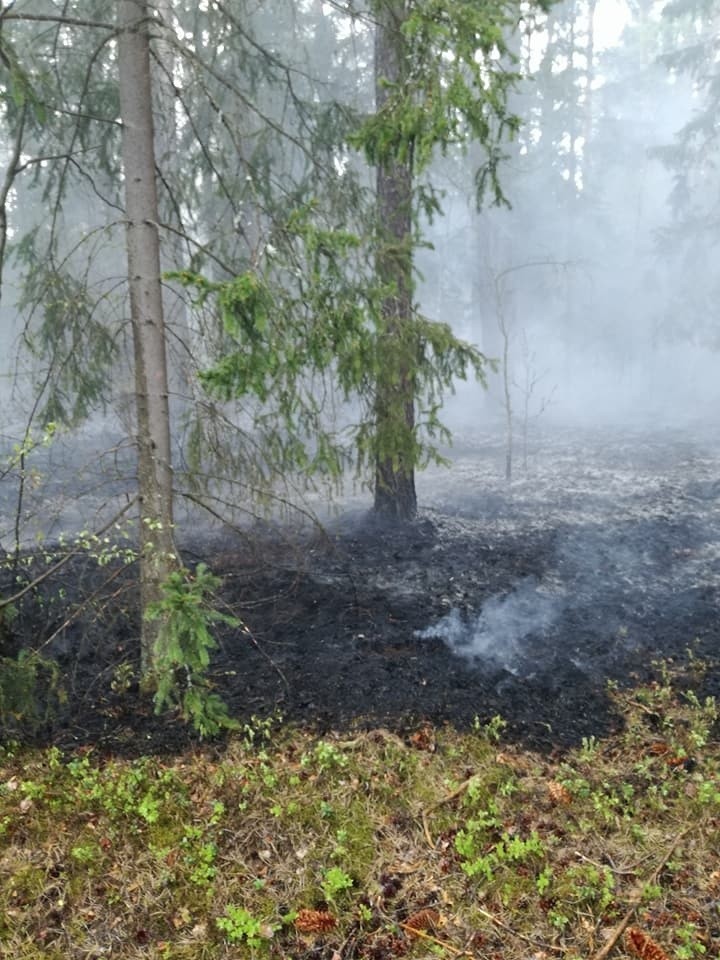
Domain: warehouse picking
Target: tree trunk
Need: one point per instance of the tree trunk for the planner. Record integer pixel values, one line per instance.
(158, 556)
(395, 495)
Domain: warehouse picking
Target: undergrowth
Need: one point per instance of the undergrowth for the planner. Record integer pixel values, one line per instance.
(438, 845)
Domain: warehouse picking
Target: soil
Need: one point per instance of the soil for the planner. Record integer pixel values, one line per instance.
(599, 560)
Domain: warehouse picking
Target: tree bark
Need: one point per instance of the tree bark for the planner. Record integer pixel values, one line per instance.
(158, 555)
(395, 495)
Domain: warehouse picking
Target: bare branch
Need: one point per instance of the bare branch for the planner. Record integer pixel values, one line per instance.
(199, 246)
(55, 18)
(66, 558)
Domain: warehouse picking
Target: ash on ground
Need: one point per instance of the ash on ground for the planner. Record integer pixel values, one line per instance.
(522, 600)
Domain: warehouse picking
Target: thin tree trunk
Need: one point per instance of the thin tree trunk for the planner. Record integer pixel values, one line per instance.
(7, 185)
(158, 555)
(395, 391)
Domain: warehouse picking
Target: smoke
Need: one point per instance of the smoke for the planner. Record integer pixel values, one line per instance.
(632, 566)
(503, 631)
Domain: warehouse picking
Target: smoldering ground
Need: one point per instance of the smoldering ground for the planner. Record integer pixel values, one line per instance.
(518, 600)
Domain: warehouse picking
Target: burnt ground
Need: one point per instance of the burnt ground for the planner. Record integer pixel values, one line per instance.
(599, 560)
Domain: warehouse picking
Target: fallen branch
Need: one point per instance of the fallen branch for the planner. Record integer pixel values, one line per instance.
(452, 796)
(605, 952)
(440, 943)
(438, 803)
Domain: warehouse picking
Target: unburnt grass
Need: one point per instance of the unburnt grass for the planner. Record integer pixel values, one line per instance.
(374, 846)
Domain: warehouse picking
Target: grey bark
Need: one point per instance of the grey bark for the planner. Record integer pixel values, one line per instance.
(158, 555)
(395, 495)
(7, 185)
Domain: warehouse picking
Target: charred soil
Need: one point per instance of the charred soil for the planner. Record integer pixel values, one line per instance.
(600, 561)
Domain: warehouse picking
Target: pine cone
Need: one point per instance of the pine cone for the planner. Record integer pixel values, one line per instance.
(643, 946)
(427, 919)
(423, 739)
(558, 793)
(314, 921)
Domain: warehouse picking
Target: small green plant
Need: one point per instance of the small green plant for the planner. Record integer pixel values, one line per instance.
(606, 804)
(204, 871)
(199, 856)
(650, 892)
(139, 794)
(544, 879)
(325, 756)
(591, 886)
(341, 839)
(257, 730)
(84, 853)
(479, 860)
(708, 793)
(558, 919)
(240, 926)
(33, 790)
(703, 718)
(335, 882)
(492, 730)
(184, 647)
(123, 677)
(690, 946)
(589, 749)
(365, 913)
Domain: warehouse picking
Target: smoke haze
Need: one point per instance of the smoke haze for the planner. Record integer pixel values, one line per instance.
(503, 629)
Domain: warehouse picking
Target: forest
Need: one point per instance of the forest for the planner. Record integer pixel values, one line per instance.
(360, 479)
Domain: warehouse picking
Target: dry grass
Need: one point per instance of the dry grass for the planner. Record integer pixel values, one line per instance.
(443, 845)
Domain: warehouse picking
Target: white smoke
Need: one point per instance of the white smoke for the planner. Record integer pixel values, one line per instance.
(502, 631)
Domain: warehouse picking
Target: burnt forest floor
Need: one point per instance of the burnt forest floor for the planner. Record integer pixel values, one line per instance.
(597, 563)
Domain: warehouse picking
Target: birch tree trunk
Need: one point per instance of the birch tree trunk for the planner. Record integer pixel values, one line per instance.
(158, 556)
(395, 390)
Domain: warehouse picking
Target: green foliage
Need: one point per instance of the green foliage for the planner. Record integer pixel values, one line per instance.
(493, 729)
(588, 885)
(18, 85)
(138, 795)
(182, 653)
(29, 684)
(325, 756)
(691, 945)
(30, 443)
(478, 859)
(240, 926)
(335, 882)
(106, 840)
(71, 335)
(199, 858)
(289, 329)
(455, 87)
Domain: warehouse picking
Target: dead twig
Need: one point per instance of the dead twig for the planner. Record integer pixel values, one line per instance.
(440, 943)
(520, 936)
(84, 605)
(64, 559)
(247, 632)
(641, 706)
(452, 796)
(605, 951)
(426, 830)
(438, 803)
